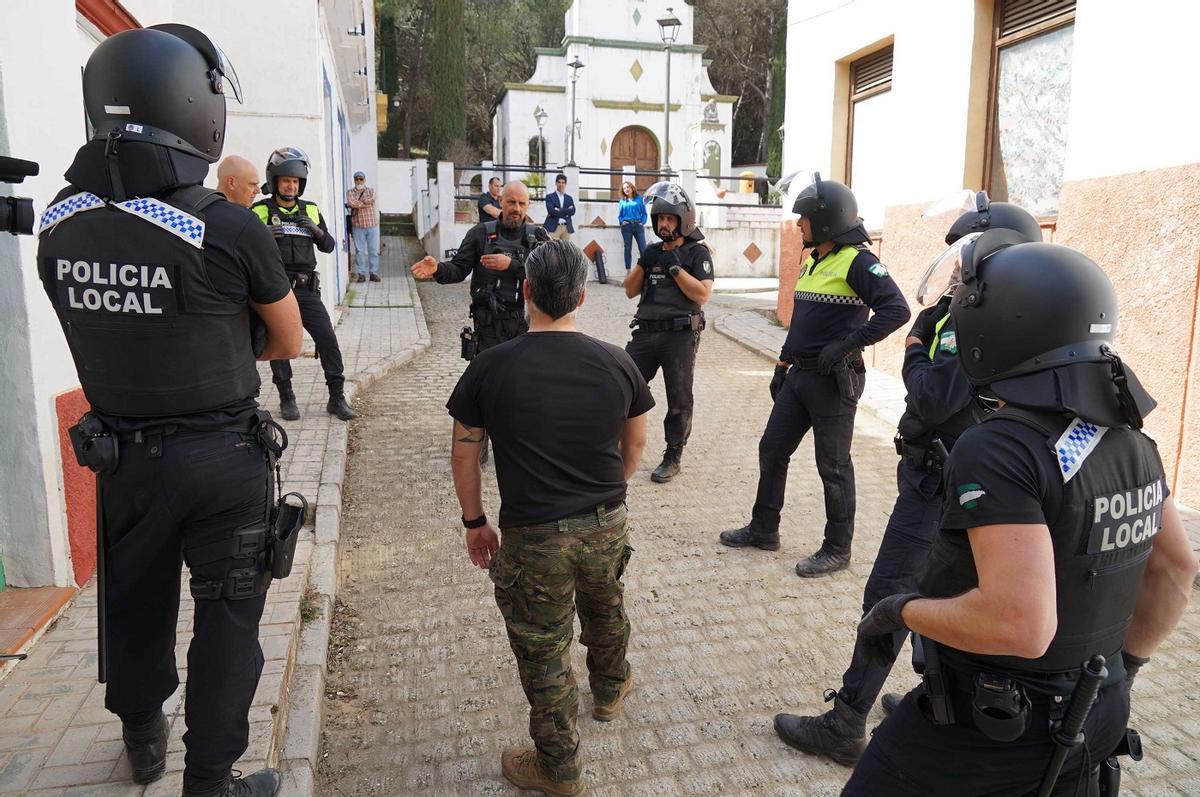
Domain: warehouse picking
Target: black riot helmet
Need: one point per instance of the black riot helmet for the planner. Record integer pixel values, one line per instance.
(989, 215)
(164, 85)
(286, 162)
(668, 199)
(832, 211)
(1036, 323)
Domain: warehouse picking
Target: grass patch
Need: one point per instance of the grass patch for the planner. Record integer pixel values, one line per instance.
(310, 609)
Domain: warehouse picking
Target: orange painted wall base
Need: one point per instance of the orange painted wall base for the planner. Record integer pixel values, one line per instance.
(79, 486)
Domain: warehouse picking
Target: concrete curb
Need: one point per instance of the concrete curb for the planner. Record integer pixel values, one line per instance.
(302, 714)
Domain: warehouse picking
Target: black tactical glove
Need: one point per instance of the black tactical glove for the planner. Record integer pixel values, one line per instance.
(1132, 665)
(276, 230)
(923, 327)
(311, 226)
(876, 629)
(778, 380)
(834, 353)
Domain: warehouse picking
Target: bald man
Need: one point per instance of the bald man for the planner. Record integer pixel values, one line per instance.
(493, 254)
(237, 179)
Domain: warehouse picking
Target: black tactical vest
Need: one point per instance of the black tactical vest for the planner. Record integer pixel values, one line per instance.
(149, 335)
(662, 298)
(1111, 509)
(296, 247)
(504, 286)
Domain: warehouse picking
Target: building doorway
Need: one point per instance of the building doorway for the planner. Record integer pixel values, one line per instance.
(633, 146)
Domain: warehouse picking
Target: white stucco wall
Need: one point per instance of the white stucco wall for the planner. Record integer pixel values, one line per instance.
(393, 189)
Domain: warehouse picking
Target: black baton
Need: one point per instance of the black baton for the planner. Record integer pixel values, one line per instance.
(101, 588)
(1069, 733)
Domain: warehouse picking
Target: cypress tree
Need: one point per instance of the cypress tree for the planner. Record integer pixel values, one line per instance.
(449, 79)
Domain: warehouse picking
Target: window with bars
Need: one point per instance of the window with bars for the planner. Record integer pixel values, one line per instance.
(868, 154)
(1030, 99)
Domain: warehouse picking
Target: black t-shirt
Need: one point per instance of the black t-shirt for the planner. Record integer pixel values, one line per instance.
(554, 405)
(486, 199)
(662, 298)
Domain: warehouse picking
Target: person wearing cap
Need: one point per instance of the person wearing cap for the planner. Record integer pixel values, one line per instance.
(300, 231)
(182, 452)
(939, 407)
(845, 300)
(364, 227)
(1059, 544)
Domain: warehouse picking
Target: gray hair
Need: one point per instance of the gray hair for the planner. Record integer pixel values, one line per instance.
(557, 272)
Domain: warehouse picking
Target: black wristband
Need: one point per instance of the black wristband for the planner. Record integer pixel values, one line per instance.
(476, 523)
(674, 269)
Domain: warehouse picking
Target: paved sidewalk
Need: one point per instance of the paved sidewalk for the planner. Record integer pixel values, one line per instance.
(56, 738)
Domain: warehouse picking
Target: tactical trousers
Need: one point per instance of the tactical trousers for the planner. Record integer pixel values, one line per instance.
(901, 557)
(910, 756)
(809, 400)
(491, 332)
(170, 494)
(317, 324)
(542, 574)
(675, 353)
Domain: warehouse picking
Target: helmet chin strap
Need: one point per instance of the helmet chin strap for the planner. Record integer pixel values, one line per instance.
(985, 400)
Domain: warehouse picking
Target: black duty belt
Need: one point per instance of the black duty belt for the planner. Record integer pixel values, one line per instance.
(693, 322)
(919, 457)
(804, 363)
(603, 517)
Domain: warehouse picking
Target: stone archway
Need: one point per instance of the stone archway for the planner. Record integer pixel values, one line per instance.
(633, 146)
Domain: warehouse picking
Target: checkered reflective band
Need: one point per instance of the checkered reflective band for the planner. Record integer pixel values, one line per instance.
(827, 298)
(296, 229)
(1077, 442)
(170, 218)
(68, 208)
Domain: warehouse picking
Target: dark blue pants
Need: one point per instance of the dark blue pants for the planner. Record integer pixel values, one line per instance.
(196, 489)
(318, 325)
(909, 755)
(629, 232)
(675, 354)
(900, 560)
(809, 400)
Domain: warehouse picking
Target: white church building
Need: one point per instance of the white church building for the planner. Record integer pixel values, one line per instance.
(619, 94)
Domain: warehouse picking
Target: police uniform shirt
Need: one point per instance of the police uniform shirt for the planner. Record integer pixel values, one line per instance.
(818, 319)
(554, 405)
(662, 298)
(485, 200)
(939, 393)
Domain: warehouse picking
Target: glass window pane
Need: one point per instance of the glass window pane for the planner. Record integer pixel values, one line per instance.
(1029, 139)
(873, 162)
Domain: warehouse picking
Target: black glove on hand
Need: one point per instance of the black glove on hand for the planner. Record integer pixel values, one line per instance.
(1132, 665)
(876, 628)
(276, 230)
(927, 319)
(311, 226)
(668, 258)
(778, 380)
(834, 353)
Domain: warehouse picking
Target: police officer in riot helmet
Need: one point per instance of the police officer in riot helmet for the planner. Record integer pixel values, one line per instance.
(845, 300)
(152, 277)
(1059, 544)
(673, 280)
(300, 231)
(493, 255)
(939, 407)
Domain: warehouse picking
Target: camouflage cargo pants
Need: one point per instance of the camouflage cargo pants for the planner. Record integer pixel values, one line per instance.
(542, 573)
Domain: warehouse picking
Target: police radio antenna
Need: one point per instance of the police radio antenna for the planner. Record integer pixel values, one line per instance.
(16, 213)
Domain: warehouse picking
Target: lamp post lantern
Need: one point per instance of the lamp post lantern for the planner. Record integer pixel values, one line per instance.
(575, 66)
(539, 116)
(668, 28)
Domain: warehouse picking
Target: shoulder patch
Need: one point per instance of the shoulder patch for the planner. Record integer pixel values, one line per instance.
(878, 270)
(969, 495)
(706, 266)
(948, 342)
(68, 208)
(170, 218)
(1075, 445)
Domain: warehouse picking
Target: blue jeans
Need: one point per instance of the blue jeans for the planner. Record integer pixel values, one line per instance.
(366, 249)
(629, 231)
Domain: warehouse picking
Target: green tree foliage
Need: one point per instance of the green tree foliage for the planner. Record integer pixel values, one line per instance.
(778, 95)
(448, 73)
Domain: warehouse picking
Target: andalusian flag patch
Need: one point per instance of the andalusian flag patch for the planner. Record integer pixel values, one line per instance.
(878, 270)
(948, 342)
(969, 495)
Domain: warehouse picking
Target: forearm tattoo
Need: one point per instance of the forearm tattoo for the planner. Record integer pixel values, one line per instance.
(470, 434)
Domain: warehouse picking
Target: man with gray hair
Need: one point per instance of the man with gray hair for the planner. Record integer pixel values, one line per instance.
(567, 417)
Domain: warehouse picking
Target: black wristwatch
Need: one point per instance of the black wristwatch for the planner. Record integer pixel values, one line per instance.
(674, 270)
(476, 523)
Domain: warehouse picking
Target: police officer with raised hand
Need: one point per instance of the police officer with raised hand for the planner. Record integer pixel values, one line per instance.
(300, 230)
(820, 374)
(152, 277)
(939, 408)
(1059, 544)
(493, 255)
(673, 280)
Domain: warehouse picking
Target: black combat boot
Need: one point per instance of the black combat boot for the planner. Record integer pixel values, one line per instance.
(822, 563)
(287, 402)
(839, 734)
(890, 701)
(747, 537)
(337, 405)
(264, 783)
(669, 467)
(146, 745)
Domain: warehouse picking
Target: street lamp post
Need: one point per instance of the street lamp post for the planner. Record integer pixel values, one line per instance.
(539, 116)
(668, 28)
(575, 65)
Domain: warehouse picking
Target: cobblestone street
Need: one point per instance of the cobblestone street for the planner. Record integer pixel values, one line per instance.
(422, 693)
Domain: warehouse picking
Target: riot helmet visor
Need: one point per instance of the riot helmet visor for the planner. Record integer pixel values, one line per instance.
(945, 272)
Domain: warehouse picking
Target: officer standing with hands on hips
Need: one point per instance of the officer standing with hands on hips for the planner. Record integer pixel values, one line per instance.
(673, 280)
(939, 408)
(1059, 545)
(820, 375)
(299, 231)
(152, 277)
